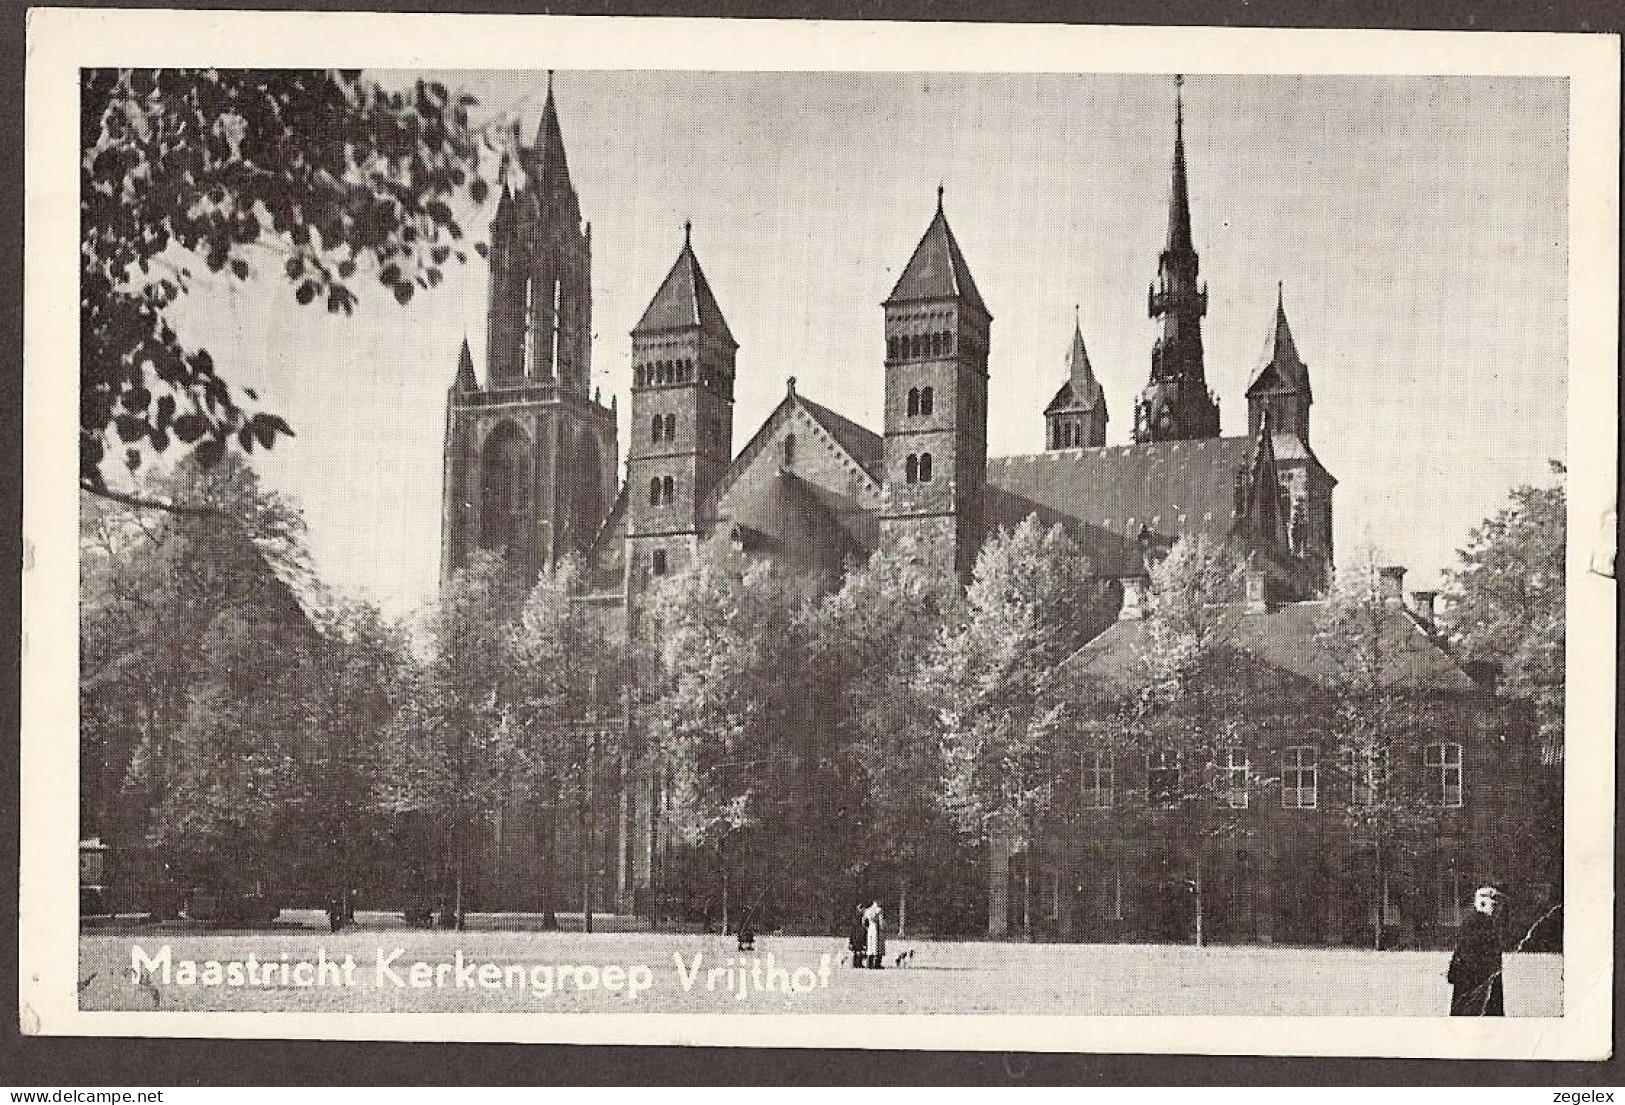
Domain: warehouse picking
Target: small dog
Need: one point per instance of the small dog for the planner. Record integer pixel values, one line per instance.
(904, 959)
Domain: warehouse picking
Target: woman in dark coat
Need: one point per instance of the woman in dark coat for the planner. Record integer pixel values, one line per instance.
(1475, 968)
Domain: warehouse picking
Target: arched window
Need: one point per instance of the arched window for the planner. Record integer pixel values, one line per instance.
(654, 491)
(658, 562)
(913, 402)
(654, 428)
(948, 343)
(911, 469)
(666, 490)
(916, 345)
(928, 400)
(671, 427)
(925, 467)
(891, 349)
(789, 449)
(936, 344)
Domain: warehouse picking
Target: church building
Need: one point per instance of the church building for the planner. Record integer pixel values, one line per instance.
(531, 457)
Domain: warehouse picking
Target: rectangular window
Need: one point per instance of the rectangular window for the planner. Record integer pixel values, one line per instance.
(1300, 784)
(1099, 780)
(1162, 777)
(1368, 775)
(1443, 763)
(1236, 776)
(1107, 890)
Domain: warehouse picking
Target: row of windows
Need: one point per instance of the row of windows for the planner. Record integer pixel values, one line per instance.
(921, 401)
(902, 347)
(1369, 777)
(664, 372)
(1068, 435)
(663, 428)
(660, 490)
(917, 468)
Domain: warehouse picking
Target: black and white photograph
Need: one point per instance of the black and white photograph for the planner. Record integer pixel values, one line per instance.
(664, 549)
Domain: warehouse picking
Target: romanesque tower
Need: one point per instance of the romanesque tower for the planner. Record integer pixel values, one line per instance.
(682, 420)
(1176, 404)
(530, 457)
(1076, 417)
(936, 401)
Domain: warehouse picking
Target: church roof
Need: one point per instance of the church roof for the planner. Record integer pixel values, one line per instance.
(938, 269)
(1081, 388)
(1103, 496)
(861, 443)
(1289, 639)
(684, 300)
(1280, 366)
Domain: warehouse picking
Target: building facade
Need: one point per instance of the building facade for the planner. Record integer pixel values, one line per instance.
(531, 460)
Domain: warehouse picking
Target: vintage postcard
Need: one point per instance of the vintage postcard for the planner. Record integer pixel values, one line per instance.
(818, 534)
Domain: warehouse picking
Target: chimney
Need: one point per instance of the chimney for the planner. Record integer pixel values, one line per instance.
(1393, 583)
(1422, 607)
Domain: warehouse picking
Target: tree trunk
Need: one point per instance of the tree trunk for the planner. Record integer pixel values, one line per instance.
(1027, 897)
(588, 843)
(457, 892)
(722, 853)
(902, 907)
(550, 854)
(1382, 898)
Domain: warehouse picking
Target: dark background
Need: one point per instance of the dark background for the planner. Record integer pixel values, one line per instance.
(51, 1063)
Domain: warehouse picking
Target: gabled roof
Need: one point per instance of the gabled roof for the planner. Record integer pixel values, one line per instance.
(1281, 367)
(684, 300)
(1103, 496)
(1261, 520)
(1289, 639)
(863, 446)
(937, 270)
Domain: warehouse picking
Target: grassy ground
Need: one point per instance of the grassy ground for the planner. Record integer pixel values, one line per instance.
(945, 977)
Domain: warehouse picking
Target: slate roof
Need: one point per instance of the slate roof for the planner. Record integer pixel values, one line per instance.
(1286, 638)
(937, 270)
(684, 301)
(1103, 496)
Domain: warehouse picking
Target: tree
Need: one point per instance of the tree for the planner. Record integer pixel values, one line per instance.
(1505, 602)
(182, 616)
(565, 677)
(1030, 605)
(1185, 706)
(877, 633)
(455, 755)
(735, 716)
(329, 177)
(1376, 708)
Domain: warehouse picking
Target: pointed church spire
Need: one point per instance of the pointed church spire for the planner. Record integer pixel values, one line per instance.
(1080, 372)
(1179, 200)
(1262, 517)
(684, 299)
(937, 269)
(465, 380)
(547, 158)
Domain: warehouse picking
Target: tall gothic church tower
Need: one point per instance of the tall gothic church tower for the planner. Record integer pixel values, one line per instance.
(531, 457)
(935, 451)
(1176, 404)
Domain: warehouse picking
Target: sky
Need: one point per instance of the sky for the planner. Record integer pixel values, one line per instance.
(1418, 226)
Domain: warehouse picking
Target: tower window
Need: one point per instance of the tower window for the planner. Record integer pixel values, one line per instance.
(925, 467)
(658, 562)
(655, 426)
(671, 427)
(913, 402)
(654, 491)
(891, 348)
(927, 400)
(936, 345)
(666, 490)
(789, 450)
(948, 342)
(911, 469)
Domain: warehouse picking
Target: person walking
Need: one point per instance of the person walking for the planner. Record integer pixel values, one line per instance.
(857, 936)
(874, 924)
(1475, 968)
